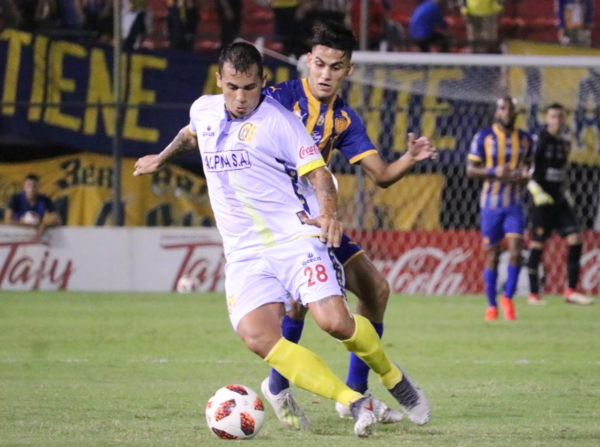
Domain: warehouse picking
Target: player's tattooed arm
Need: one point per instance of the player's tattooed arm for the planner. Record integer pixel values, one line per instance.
(331, 228)
(183, 144)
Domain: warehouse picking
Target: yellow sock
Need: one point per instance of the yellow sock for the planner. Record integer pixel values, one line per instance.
(306, 370)
(366, 344)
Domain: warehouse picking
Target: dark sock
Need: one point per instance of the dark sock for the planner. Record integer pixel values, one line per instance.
(535, 256)
(358, 371)
(291, 330)
(573, 265)
(512, 280)
(491, 280)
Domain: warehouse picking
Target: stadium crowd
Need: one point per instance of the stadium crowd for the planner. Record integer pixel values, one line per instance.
(393, 25)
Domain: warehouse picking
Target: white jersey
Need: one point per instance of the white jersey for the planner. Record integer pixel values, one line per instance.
(254, 167)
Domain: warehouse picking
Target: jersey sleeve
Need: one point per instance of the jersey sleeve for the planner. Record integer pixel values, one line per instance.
(354, 142)
(193, 111)
(298, 148)
(477, 150)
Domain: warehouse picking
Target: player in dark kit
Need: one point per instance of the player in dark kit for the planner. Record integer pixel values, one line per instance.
(552, 205)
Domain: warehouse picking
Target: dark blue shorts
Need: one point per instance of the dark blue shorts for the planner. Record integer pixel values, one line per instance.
(496, 224)
(347, 251)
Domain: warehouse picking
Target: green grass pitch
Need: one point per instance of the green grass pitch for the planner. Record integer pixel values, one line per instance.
(137, 370)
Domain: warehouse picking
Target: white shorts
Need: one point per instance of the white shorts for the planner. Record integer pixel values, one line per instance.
(303, 269)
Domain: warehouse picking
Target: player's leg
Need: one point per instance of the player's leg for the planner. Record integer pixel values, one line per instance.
(372, 291)
(260, 329)
(292, 326)
(568, 227)
(359, 337)
(492, 233)
(541, 218)
(514, 229)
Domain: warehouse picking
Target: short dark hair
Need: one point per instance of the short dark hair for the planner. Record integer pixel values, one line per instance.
(31, 176)
(242, 56)
(555, 105)
(336, 36)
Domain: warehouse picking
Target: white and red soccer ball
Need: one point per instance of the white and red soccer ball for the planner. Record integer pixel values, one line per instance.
(187, 284)
(235, 412)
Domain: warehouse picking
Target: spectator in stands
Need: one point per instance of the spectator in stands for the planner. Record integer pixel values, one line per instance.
(286, 15)
(427, 26)
(133, 23)
(376, 22)
(393, 32)
(230, 18)
(11, 17)
(30, 208)
(482, 24)
(575, 18)
(182, 22)
(98, 17)
(49, 14)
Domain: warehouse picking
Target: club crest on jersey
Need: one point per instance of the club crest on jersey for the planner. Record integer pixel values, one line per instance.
(226, 161)
(341, 124)
(247, 132)
(321, 120)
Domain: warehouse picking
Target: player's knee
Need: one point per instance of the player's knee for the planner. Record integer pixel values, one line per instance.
(260, 342)
(382, 292)
(492, 259)
(516, 258)
(574, 239)
(339, 326)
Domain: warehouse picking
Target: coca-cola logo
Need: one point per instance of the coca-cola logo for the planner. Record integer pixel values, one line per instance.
(427, 271)
(201, 260)
(33, 268)
(308, 151)
(590, 269)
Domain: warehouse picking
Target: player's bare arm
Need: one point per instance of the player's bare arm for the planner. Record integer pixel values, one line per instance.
(331, 228)
(183, 144)
(386, 174)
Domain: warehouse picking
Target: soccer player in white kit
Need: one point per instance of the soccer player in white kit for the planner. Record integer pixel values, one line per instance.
(269, 189)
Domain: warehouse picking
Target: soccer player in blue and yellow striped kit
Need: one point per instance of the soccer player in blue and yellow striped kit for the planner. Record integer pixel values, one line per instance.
(501, 155)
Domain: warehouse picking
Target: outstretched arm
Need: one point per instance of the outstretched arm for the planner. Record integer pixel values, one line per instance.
(183, 144)
(386, 174)
(331, 229)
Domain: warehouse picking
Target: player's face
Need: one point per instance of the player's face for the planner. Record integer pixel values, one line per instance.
(241, 90)
(506, 113)
(30, 187)
(555, 120)
(327, 71)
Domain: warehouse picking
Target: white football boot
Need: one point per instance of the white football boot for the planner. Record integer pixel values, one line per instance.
(384, 416)
(286, 408)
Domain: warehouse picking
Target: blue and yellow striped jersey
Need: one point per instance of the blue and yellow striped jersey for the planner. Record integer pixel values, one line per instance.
(493, 147)
(332, 126)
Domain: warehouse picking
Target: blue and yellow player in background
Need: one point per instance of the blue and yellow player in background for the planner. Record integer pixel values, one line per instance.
(334, 125)
(501, 155)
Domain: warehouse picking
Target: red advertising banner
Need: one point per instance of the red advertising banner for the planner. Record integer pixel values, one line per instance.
(451, 262)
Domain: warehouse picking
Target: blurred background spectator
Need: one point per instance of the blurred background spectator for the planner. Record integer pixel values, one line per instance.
(134, 24)
(482, 24)
(376, 23)
(30, 208)
(286, 15)
(575, 19)
(230, 18)
(98, 18)
(427, 26)
(182, 23)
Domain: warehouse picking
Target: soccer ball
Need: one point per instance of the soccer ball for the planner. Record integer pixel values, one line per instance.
(235, 412)
(187, 284)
